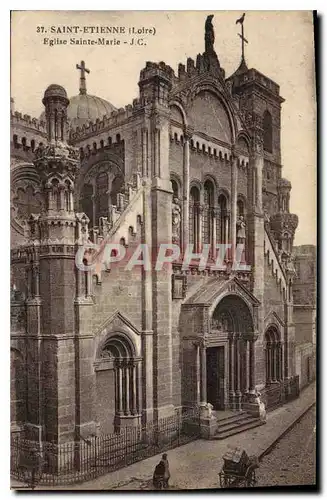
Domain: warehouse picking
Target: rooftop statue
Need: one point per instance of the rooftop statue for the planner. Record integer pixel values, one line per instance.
(209, 36)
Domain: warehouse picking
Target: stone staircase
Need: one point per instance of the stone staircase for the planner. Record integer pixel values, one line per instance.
(234, 423)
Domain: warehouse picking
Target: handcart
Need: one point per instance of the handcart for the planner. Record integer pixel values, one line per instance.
(238, 470)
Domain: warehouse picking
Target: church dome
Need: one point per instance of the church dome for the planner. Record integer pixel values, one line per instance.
(85, 108)
(55, 90)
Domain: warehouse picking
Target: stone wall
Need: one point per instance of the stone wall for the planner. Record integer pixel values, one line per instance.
(272, 294)
(305, 356)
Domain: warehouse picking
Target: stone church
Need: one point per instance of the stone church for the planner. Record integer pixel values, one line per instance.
(195, 160)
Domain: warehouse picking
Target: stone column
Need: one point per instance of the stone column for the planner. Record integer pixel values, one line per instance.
(268, 347)
(52, 127)
(198, 375)
(231, 369)
(238, 393)
(127, 388)
(58, 126)
(273, 361)
(199, 228)
(247, 365)
(252, 367)
(203, 355)
(278, 361)
(145, 171)
(186, 186)
(138, 387)
(281, 362)
(234, 172)
(226, 236)
(156, 152)
(120, 388)
(214, 216)
(134, 388)
(94, 222)
(36, 280)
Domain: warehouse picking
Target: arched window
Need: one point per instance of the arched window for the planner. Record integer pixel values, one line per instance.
(68, 196)
(174, 187)
(274, 356)
(87, 202)
(118, 381)
(194, 218)
(208, 213)
(32, 145)
(116, 188)
(223, 231)
(267, 132)
(56, 194)
(101, 196)
(240, 208)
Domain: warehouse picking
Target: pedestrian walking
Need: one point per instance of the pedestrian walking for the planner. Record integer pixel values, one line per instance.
(167, 471)
(158, 475)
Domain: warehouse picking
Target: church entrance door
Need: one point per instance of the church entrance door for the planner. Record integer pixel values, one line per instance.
(216, 377)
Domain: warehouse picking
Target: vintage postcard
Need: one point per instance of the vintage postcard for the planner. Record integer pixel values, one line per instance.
(163, 250)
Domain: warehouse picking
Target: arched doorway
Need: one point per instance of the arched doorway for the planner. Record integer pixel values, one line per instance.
(230, 364)
(117, 384)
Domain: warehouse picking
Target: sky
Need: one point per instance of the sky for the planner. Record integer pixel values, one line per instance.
(281, 46)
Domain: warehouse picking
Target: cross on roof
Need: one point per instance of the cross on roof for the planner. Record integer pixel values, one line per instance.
(82, 81)
(242, 37)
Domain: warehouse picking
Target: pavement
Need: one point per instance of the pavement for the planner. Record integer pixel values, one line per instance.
(196, 465)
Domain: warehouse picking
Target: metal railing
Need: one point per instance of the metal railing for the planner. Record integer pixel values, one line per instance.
(52, 464)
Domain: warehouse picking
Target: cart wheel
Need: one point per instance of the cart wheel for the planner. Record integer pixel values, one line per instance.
(251, 478)
(223, 481)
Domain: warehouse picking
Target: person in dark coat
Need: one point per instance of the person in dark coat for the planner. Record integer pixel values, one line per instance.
(158, 475)
(167, 471)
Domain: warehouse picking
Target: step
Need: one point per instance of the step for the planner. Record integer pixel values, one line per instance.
(232, 425)
(239, 429)
(235, 416)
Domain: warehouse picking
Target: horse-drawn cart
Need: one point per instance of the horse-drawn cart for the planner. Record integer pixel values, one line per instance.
(238, 470)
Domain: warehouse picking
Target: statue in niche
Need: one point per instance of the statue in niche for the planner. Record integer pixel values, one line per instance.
(240, 225)
(176, 221)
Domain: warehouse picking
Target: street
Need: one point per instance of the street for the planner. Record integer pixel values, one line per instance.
(292, 461)
(196, 465)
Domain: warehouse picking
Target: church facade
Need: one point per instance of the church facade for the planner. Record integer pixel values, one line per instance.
(194, 160)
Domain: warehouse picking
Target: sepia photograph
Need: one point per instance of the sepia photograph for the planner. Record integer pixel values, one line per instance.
(163, 231)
